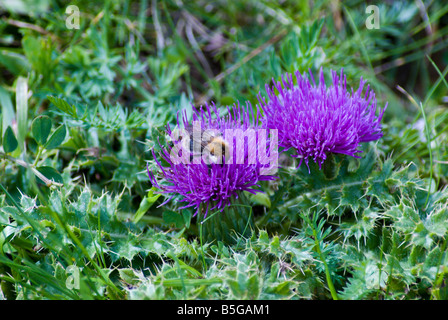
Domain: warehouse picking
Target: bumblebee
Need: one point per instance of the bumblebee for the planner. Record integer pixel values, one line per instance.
(217, 148)
(208, 144)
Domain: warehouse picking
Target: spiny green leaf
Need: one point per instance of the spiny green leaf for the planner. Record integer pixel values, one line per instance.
(131, 276)
(377, 186)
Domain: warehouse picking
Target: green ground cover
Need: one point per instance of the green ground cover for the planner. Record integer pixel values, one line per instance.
(81, 109)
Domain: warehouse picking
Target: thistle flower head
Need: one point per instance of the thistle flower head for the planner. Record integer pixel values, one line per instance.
(200, 182)
(315, 120)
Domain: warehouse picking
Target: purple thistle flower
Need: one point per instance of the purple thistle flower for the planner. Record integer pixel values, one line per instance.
(211, 185)
(316, 120)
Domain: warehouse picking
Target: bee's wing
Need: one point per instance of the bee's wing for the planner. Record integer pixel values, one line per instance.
(196, 145)
(210, 134)
(207, 136)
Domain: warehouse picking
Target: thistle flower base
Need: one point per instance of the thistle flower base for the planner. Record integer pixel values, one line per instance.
(230, 224)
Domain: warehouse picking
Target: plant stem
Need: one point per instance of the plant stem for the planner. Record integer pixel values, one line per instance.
(330, 284)
(317, 240)
(263, 220)
(202, 248)
(39, 151)
(27, 165)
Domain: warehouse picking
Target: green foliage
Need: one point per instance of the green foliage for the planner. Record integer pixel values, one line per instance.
(81, 110)
(9, 141)
(41, 128)
(299, 51)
